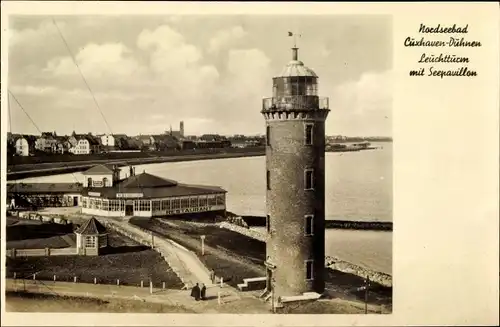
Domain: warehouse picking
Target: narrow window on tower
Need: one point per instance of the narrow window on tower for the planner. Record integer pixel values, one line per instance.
(268, 135)
(309, 269)
(268, 179)
(309, 134)
(309, 179)
(268, 223)
(309, 225)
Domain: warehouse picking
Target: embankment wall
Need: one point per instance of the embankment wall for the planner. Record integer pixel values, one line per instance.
(330, 262)
(260, 221)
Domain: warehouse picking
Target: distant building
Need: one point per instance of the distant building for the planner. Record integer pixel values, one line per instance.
(121, 142)
(177, 134)
(108, 140)
(166, 142)
(42, 195)
(25, 145)
(61, 145)
(83, 144)
(147, 142)
(241, 141)
(46, 142)
(188, 144)
(212, 141)
(101, 176)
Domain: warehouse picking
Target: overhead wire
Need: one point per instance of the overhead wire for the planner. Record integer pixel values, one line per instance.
(34, 124)
(81, 74)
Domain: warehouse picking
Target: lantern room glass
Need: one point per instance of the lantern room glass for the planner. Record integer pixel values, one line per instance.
(293, 86)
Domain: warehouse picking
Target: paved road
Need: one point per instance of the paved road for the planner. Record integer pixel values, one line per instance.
(230, 300)
(188, 266)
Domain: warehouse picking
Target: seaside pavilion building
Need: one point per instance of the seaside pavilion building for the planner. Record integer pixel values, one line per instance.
(146, 195)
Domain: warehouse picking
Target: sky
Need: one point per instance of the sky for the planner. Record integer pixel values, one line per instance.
(147, 73)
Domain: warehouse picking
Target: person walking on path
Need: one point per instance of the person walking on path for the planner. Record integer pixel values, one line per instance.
(195, 292)
(203, 291)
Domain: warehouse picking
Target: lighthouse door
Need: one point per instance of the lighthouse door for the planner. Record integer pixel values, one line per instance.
(269, 278)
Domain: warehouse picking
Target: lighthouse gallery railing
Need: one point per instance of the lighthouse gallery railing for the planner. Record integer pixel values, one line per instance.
(295, 102)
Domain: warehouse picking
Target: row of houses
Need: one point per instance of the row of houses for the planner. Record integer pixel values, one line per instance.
(350, 139)
(81, 144)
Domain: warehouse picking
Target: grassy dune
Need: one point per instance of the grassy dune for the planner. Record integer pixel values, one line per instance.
(29, 302)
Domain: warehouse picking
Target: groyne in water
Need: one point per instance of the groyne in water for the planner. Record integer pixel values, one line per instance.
(259, 221)
(331, 262)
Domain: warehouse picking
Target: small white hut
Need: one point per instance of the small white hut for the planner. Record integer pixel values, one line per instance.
(91, 238)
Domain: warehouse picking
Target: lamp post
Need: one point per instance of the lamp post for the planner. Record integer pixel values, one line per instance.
(272, 295)
(202, 244)
(367, 285)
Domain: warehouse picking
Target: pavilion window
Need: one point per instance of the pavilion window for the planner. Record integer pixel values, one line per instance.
(212, 200)
(156, 205)
(105, 205)
(104, 182)
(89, 182)
(203, 201)
(184, 203)
(144, 205)
(176, 204)
(220, 199)
(90, 242)
(193, 202)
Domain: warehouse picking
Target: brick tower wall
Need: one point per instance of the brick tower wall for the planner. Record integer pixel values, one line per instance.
(288, 203)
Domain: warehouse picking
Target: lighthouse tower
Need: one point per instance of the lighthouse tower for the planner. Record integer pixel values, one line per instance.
(295, 171)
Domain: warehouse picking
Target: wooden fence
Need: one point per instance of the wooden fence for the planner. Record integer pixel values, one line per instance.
(13, 253)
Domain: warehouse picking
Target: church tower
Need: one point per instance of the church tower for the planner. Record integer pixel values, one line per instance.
(181, 128)
(295, 175)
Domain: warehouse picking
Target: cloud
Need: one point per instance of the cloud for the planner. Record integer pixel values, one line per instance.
(240, 95)
(165, 75)
(72, 93)
(33, 36)
(363, 105)
(225, 37)
(174, 19)
(149, 73)
(96, 61)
